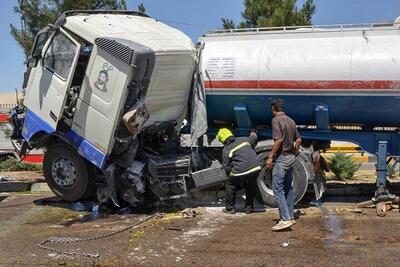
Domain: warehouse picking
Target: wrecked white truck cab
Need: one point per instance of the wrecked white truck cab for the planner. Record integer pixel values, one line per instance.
(96, 79)
(98, 66)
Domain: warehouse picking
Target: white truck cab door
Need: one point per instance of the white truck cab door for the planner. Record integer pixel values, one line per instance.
(50, 80)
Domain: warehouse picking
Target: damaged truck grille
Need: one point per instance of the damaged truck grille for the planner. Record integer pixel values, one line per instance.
(168, 175)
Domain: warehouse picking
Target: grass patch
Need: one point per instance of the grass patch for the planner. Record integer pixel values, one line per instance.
(54, 215)
(156, 223)
(12, 165)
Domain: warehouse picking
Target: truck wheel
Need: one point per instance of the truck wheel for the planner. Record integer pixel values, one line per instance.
(67, 173)
(301, 175)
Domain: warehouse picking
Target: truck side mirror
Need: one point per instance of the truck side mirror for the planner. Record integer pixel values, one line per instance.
(32, 62)
(37, 54)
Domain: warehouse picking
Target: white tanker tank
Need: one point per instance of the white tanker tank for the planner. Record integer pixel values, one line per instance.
(352, 73)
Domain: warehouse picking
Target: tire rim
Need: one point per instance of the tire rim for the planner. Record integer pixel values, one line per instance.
(63, 172)
(266, 182)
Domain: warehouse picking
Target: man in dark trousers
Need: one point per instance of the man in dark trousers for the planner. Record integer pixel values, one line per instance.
(286, 147)
(241, 165)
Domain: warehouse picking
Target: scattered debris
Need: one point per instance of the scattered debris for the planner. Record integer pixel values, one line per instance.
(189, 213)
(356, 210)
(381, 206)
(285, 244)
(78, 206)
(316, 203)
(6, 179)
(174, 228)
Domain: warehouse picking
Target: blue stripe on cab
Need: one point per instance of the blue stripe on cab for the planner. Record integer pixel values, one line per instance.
(34, 124)
(87, 149)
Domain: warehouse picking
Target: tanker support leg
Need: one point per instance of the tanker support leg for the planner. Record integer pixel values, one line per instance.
(383, 200)
(381, 170)
(382, 194)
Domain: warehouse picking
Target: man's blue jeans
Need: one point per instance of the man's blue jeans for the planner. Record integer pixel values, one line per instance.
(282, 178)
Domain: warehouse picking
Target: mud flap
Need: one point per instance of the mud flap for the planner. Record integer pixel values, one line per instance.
(319, 166)
(319, 185)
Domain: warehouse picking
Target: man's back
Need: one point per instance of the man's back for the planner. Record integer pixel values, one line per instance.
(283, 127)
(239, 156)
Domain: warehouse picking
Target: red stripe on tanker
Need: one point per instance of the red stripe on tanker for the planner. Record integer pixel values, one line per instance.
(322, 59)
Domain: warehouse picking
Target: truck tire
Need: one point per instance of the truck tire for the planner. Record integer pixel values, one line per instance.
(67, 173)
(301, 175)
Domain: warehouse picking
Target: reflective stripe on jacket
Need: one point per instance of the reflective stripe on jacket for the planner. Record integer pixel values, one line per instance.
(239, 157)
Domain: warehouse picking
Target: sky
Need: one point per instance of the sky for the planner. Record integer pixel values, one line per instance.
(194, 17)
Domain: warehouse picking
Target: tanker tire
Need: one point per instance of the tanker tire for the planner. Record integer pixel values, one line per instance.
(264, 181)
(82, 185)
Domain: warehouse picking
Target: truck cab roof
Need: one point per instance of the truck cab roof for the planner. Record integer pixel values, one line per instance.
(128, 25)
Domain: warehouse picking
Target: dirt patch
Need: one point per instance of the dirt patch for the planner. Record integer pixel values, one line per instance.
(330, 236)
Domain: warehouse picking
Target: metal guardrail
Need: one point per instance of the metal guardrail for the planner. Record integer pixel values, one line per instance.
(5, 108)
(311, 28)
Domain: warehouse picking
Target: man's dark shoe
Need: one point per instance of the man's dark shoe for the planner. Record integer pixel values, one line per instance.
(229, 211)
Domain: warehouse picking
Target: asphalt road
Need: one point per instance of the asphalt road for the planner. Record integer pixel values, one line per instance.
(332, 235)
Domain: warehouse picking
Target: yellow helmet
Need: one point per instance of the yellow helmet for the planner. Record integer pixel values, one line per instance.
(224, 134)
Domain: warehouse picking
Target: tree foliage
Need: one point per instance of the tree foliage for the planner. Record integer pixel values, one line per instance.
(142, 8)
(37, 14)
(273, 13)
(228, 23)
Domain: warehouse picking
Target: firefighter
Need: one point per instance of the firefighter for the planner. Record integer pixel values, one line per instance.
(241, 165)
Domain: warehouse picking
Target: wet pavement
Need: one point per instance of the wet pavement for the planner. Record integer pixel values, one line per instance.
(332, 235)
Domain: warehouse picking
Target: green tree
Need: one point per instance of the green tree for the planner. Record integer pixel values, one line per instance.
(274, 13)
(142, 8)
(37, 14)
(228, 24)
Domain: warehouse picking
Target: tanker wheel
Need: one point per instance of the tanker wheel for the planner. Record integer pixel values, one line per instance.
(264, 181)
(67, 173)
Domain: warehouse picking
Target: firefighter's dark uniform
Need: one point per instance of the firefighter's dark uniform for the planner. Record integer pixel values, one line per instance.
(241, 165)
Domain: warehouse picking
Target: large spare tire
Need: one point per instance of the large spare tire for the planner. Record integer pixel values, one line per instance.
(301, 175)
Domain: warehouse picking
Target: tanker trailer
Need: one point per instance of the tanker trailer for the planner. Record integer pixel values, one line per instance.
(338, 82)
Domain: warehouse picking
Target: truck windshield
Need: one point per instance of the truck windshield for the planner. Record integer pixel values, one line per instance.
(60, 55)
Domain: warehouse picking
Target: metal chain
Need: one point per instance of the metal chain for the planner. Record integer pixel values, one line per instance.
(65, 240)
